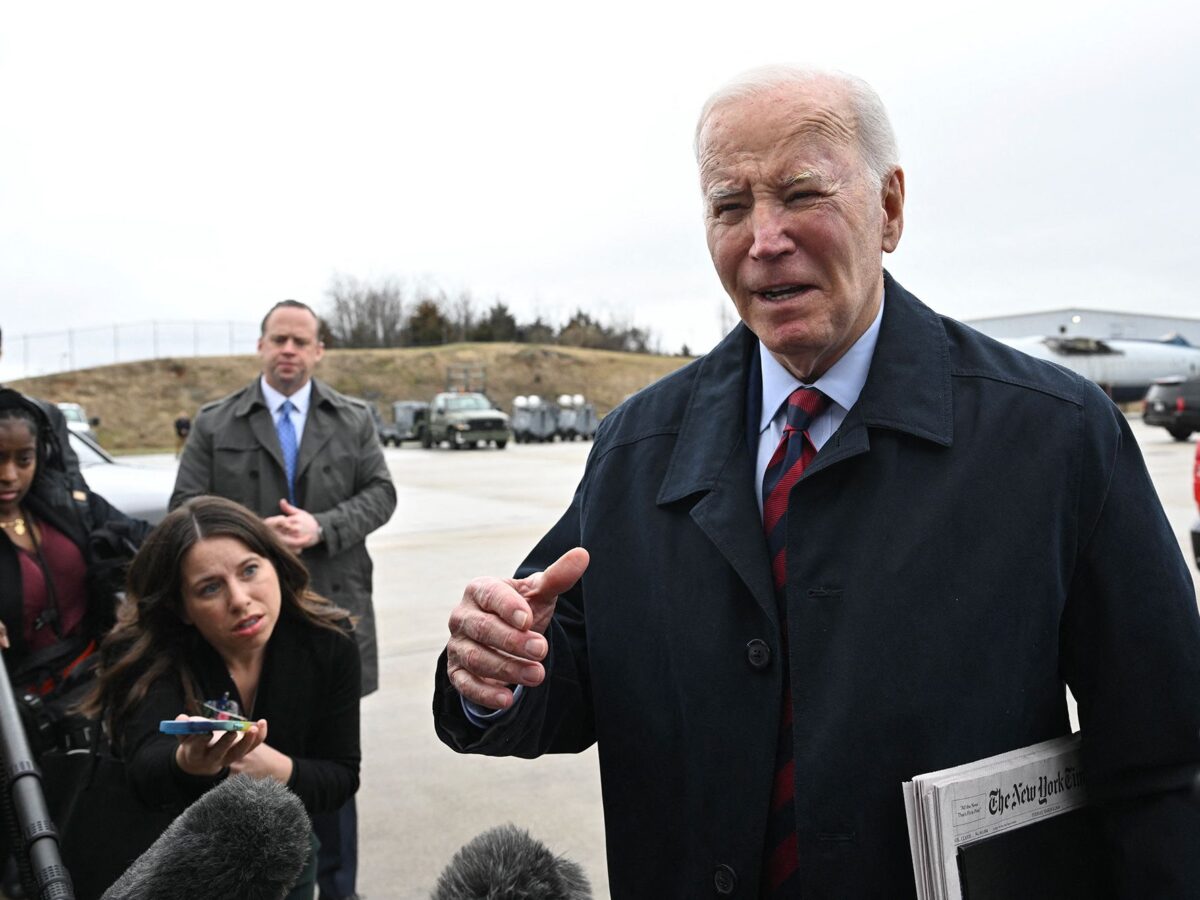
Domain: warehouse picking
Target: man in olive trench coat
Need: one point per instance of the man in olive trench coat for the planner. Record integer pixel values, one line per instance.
(342, 490)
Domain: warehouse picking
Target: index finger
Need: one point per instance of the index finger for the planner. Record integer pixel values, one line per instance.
(249, 740)
(501, 598)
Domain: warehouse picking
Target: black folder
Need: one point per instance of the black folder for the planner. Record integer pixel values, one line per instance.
(1055, 858)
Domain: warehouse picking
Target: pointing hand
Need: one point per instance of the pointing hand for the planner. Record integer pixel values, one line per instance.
(497, 630)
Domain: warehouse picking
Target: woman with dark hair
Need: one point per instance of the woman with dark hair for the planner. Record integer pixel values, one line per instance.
(219, 615)
(60, 555)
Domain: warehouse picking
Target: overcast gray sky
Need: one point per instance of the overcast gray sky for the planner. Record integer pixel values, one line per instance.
(172, 161)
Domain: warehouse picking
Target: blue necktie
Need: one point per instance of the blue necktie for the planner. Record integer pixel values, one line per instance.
(289, 445)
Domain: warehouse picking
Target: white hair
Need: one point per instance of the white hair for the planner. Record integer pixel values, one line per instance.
(873, 129)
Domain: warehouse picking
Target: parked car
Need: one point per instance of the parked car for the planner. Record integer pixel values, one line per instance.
(385, 431)
(1174, 404)
(140, 491)
(77, 420)
(464, 420)
(1196, 494)
(408, 416)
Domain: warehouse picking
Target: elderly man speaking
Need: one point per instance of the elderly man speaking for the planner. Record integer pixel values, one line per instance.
(856, 542)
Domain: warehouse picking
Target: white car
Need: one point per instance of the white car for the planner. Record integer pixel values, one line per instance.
(77, 420)
(138, 491)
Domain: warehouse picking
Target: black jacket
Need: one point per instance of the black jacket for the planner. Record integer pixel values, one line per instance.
(106, 536)
(980, 529)
(308, 693)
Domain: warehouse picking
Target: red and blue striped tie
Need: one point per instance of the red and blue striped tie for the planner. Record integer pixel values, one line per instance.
(795, 451)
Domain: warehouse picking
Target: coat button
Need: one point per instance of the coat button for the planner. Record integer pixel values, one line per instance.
(725, 880)
(254, 473)
(758, 653)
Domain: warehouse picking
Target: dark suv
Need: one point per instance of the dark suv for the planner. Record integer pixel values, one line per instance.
(1173, 403)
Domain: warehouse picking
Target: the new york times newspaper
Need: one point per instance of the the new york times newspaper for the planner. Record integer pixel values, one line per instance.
(953, 810)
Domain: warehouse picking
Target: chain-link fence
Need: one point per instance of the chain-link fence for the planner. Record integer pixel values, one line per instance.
(28, 355)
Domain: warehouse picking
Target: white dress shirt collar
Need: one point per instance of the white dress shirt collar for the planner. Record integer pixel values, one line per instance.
(274, 399)
(842, 383)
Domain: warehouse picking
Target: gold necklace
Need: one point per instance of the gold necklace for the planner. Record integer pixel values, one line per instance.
(17, 525)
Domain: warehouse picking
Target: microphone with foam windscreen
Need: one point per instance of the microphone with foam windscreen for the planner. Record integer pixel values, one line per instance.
(505, 863)
(247, 838)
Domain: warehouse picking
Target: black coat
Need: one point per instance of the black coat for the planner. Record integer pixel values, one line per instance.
(106, 537)
(308, 693)
(979, 529)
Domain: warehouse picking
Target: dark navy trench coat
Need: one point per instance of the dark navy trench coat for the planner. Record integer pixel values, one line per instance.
(980, 530)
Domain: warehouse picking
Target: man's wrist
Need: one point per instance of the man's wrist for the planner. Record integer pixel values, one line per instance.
(484, 716)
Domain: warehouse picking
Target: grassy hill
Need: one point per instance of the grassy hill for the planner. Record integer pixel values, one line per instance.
(137, 402)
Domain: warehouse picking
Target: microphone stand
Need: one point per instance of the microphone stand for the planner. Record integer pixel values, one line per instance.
(37, 852)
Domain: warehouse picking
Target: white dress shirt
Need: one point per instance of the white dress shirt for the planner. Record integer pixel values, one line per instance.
(300, 401)
(842, 384)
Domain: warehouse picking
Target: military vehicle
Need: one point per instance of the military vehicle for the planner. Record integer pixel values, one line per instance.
(533, 420)
(464, 419)
(577, 419)
(408, 416)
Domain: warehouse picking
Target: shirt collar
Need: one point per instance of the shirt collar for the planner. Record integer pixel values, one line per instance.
(274, 399)
(842, 383)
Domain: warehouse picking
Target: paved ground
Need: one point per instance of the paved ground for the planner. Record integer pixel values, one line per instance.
(460, 514)
(466, 513)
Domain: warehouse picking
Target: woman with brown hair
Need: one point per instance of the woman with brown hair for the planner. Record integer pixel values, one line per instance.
(219, 616)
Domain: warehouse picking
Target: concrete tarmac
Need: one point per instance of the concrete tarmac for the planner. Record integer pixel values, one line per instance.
(459, 514)
(467, 513)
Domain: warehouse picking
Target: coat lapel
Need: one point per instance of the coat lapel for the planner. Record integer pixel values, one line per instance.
(253, 408)
(906, 390)
(711, 457)
(909, 384)
(318, 429)
(714, 456)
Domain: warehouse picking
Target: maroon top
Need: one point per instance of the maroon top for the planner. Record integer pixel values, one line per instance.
(65, 563)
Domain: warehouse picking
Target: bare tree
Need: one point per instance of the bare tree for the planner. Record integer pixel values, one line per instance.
(372, 314)
(462, 316)
(364, 314)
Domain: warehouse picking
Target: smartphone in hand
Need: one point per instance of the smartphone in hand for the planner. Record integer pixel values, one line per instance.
(202, 726)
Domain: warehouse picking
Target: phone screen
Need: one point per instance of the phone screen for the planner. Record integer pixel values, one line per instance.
(201, 726)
